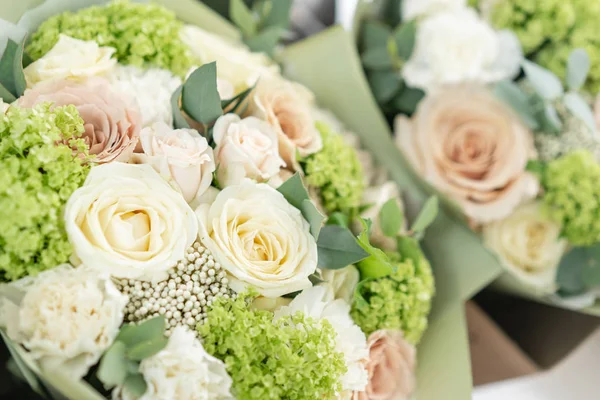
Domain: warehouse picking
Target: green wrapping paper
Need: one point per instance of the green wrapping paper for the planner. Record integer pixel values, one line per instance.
(328, 64)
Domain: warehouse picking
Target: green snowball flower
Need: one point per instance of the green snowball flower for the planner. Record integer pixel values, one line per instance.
(550, 30)
(142, 34)
(292, 358)
(336, 172)
(572, 196)
(37, 178)
(399, 301)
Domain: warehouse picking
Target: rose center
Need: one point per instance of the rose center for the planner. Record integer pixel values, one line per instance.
(129, 231)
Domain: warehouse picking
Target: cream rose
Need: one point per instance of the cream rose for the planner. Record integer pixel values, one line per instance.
(529, 246)
(287, 106)
(65, 317)
(235, 63)
(469, 146)
(182, 156)
(341, 282)
(259, 238)
(416, 8)
(245, 148)
(71, 59)
(376, 197)
(112, 124)
(127, 221)
(183, 370)
(391, 367)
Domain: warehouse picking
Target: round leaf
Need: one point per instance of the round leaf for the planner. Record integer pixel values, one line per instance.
(545, 82)
(578, 67)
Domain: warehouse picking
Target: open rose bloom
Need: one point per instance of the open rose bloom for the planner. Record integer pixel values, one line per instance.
(184, 219)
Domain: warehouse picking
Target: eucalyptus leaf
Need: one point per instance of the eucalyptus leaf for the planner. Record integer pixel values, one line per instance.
(375, 35)
(135, 384)
(150, 329)
(580, 108)
(338, 248)
(426, 216)
(146, 349)
(552, 121)
(544, 82)
(338, 218)
(407, 100)
(279, 15)
(234, 104)
(179, 120)
(578, 67)
(5, 95)
(313, 216)
(18, 74)
(200, 97)
(7, 62)
(511, 94)
(242, 16)
(377, 58)
(266, 40)
(296, 194)
(112, 370)
(569, 277)
(391, 218)
(409, 249)
(405, 37)
(384, 84)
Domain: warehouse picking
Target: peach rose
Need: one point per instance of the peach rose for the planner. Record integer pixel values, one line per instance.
(391, 367)
(471, 147)
(287, 107)
(112, 124)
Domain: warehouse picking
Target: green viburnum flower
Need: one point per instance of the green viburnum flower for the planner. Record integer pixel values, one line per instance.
(292, 358)
(399, 301)
(572, 196)
(142, 34)
(37, 176)
(550, 30)
(336, 172)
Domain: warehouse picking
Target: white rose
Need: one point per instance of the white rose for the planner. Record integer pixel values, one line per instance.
(288, 108)
(457, 46)
(182, 156)
(416, 8)
(71, 59)
(317, 302)
(151, 88)
(183, 370)
(65, 317)
(127, 220)
(235, 63)
(528, 245)
(341, 282)
(376, 197)
(259, 238)
(245, 148)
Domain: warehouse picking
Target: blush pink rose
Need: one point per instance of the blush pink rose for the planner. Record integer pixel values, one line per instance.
(112, 124)
(391, 367)
(472, 148)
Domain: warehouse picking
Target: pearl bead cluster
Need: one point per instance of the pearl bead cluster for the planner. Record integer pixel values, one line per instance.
(184, 298)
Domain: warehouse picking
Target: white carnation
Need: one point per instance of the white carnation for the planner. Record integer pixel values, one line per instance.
(183, 370)
(457, 46)
(317, 302)
(152, 89)
(416, 8)
(65, 317)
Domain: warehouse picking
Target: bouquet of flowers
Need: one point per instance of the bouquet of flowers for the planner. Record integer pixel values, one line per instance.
(180, 221)
(492, 103)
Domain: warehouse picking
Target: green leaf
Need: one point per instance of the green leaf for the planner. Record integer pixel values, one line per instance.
(338, 248)
(377, 58)
(538, 168)
(135, 384)
(409, 249)
(338, 218)
(359, 299)
(543, 81)
(378, 264)
(405, 37)
(18, 74)
(375, 35)
(578, 67)
(408, 99)
(580, 108)
(384, 84)
(200, 97)
(279, 15)
(237, 101)
(179, 120)
(7, 63)
(511, 94)
(551, 121)
(6, 95)
(391, 218)
(153, 328)
(426, 216)
(266, 40)
(242, 16)
(569, 277)
(313, 216)
(112, 370)
(146, 349)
